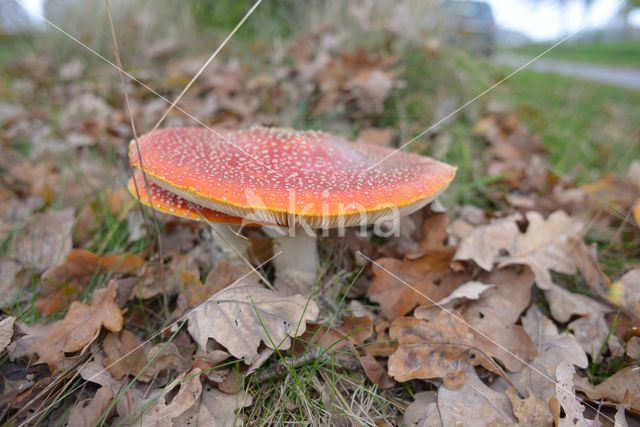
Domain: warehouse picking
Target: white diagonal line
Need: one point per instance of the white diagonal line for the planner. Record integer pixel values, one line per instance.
(483, 93)
(207, 62)
(181, 318)
(216, 133)
(455, 316)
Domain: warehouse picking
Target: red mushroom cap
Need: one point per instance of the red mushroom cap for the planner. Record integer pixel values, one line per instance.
(166, 202)
(272, 175)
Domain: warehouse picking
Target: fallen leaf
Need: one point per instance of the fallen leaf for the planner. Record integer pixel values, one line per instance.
(80, 326)
(495, 314)
(485, 243)
(45, 241)
(546, 245)
(6, 331)
(13, 279)
(530, 411)
(626, 291)
(126, 355)
(633, 347)
(474, 404)
(553, 348)
(86, 413)
(430, 274)
(163, 412)
(590, 332)
(218, 409)
(614, 388)
(375, 372)
(470, 290)
(565, 304)
(442, 348)
(64, 283)
(243, 315)
(423, 411)
(565, 393)
(636, 212)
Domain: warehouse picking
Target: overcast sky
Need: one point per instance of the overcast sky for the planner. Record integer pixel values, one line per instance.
(540, 22)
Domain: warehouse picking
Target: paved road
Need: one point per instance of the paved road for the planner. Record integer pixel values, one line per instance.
(624, 77)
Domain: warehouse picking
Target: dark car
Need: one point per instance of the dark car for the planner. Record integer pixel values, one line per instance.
(470, 24)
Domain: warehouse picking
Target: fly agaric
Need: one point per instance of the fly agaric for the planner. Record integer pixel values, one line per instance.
(301, 180)
(163, 201)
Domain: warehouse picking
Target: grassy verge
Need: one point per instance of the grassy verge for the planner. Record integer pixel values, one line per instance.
(624, 54)
(588, 128)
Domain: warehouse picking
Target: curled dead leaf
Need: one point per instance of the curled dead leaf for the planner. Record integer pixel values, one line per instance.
(62, 284)
(126, 355)
(245, 314)
(80, 326)
(46, 239)
(545, 245)
(442, 348)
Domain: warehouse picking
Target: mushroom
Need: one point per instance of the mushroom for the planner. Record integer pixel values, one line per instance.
(224, 226)
(299, 180)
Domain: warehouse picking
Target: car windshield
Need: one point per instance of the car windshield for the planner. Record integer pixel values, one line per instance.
(468, 9)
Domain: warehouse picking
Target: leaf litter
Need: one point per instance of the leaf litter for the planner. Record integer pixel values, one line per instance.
(530, 309)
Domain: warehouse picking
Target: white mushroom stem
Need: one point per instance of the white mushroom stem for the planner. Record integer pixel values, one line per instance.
(296, 260)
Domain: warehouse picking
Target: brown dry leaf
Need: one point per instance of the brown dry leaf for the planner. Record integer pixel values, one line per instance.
(376, 372)
(45, 241)
(430, 274)
(636, 212)
(474, 404)
(13, 279)
(223, 274)
(553, 348)
(423, 411)
(470, 291)
(514, 153)
(217, 409)
(614, 388)
(565, 393)
(163, 413)
(530, 411)
(125, 355)
(495, 314)
(80, 326)
(64, 283)
(245, 314)
(6, 331)
(86, 413)
(442, 348)
(486, 242)
(565, 304)
(546, 245)
(626, 291)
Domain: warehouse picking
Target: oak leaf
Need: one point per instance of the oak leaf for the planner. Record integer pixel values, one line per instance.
(442, 348)
(614, 388)
(553, 348)
(80, 326)
(545, 245)
(430, 275)
(127, 355)
(245, 314)
(88, 412)
(64, 283)
(46, 239)
(474, 404)
(495, 314)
